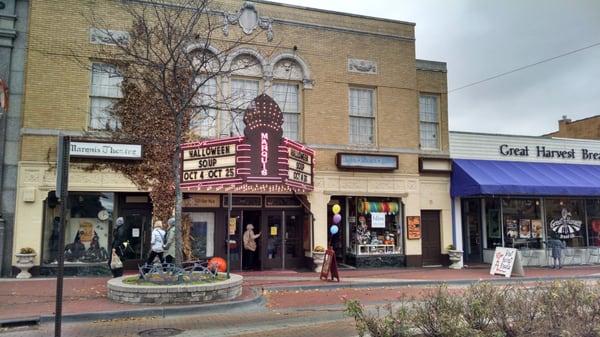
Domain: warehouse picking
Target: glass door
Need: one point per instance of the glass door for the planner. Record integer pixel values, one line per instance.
(293, 240)
(135, 235)
(471, 218)
(272, 240)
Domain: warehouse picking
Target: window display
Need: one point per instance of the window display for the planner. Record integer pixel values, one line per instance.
(202, 232)
(378, 229)
(519, 215)
(593, 221)
(565, 219)
(86, 232)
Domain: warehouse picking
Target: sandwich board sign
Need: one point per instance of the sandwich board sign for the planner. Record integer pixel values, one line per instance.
(507, 262)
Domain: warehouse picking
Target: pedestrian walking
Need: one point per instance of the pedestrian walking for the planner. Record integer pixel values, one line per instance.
(117, 248)
(170, 241)
(250, 247)
(156, 243)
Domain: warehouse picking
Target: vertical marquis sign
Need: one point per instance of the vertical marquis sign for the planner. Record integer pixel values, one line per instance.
(264, 153)
(261, 161)
(264, 121)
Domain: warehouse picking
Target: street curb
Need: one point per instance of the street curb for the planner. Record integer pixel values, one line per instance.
(400, 283)
(256, 300)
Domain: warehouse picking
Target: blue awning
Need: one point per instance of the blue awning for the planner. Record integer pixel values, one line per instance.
(487, 177)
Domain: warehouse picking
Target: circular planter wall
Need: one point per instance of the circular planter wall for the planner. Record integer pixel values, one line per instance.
(174, 294)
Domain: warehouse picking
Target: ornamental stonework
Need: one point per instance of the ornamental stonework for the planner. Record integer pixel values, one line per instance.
(362, 66)
(248, 19)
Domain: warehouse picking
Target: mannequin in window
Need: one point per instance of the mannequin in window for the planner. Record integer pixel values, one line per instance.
(76, 250)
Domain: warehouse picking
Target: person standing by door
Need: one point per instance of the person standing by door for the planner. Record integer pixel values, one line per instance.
(170, 241)
(250, 247)
(156, 243)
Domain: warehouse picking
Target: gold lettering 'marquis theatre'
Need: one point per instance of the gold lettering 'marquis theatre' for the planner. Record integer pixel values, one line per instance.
(363, 125)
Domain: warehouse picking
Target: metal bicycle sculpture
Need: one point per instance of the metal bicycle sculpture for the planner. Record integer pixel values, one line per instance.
(169, 273)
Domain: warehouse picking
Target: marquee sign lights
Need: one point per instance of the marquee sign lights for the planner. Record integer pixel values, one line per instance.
(261, 161)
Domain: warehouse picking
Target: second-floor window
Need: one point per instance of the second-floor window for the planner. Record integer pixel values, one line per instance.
(243, 91)
(429, 122)
(362, 116)
(105, 92)
(286, 96)
(204, 121)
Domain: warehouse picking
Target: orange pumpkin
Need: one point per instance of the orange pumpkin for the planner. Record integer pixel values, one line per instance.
(219, 263)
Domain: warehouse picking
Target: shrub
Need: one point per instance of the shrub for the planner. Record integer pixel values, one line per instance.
(558, 309)
(27, 250)
(395, 323)
(439, 315)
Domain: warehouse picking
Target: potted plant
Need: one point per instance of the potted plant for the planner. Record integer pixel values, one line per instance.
(25, 259)
(318, 255)
(455, 257)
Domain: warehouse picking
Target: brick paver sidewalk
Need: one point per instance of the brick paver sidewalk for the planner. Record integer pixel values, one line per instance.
(35, 297)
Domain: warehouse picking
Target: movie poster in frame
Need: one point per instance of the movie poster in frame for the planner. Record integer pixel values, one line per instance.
(413, 224)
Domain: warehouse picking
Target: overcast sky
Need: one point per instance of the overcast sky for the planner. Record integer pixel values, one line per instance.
(483, 38)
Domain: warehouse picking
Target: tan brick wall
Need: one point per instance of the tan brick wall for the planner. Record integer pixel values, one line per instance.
(38, 148)
(588, 128)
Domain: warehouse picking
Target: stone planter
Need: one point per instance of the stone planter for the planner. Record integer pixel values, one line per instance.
(25, 262)
(455, 258)
(318, 258)
(225, 290)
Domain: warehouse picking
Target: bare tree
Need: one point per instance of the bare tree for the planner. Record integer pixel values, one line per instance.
(167, 61)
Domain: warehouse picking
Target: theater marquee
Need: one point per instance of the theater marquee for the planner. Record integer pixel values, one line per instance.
(261, 161)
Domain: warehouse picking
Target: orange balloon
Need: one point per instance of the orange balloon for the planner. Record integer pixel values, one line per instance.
(219, 263)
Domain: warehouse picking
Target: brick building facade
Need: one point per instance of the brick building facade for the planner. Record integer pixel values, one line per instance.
(357, 87)
(586, 128)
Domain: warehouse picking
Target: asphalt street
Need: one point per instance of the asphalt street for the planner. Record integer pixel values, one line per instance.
(252, 322)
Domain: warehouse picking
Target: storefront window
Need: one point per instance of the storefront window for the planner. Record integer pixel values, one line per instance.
(523, 226)
(377, 229)
(493, 225)
(565, 220)
(87, 228)
(593, 221)
(202, 234)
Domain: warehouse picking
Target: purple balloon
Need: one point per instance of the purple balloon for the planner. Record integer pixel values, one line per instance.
(337, 218)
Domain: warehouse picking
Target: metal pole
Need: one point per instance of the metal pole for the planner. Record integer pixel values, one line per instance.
(62, 179)
(228, 233)
(283, 240)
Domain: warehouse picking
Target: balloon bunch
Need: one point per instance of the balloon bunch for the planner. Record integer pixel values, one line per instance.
(334, 229)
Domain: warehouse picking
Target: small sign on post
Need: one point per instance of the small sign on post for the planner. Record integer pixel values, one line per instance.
(329, 266)
(507, 262)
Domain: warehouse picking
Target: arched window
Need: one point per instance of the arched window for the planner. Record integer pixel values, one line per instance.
(247, 72)
(287, 78)
(204, 120)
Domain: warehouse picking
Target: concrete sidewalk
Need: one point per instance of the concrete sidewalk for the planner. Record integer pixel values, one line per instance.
(86, 297)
